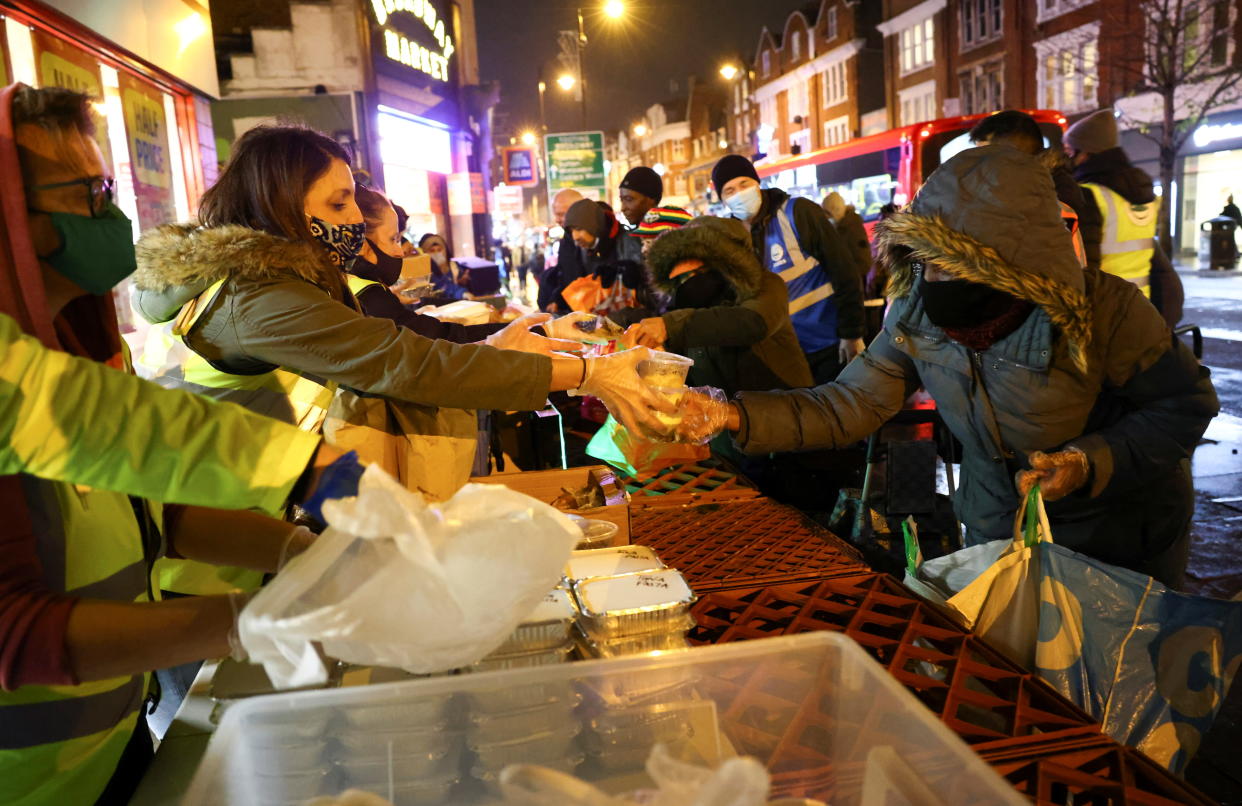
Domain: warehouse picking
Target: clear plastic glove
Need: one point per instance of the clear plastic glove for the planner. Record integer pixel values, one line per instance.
(518, 336)
(583, 327)
(705, 412)
(338, 480)
(350, 797)
(237, 601)
(298, 541)
(614, 380)
(847, 349)
(1057, 474)
(650, 332)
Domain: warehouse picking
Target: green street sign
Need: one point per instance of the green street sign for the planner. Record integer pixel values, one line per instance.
(576, 160)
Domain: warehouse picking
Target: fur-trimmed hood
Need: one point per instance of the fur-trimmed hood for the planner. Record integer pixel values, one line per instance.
(177, 262)
(722, 244)
(990, 215)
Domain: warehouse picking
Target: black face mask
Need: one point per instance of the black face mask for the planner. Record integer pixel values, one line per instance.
(701, 290)
(386, 269)
(962, 304)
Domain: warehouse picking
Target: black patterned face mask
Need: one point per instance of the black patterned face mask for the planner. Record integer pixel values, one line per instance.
(343, 241)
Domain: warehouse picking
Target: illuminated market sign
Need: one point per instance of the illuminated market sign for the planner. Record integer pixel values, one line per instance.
(399, 48)
(1208, 133)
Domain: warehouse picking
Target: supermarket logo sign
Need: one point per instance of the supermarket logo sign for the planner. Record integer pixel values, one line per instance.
(399, 48)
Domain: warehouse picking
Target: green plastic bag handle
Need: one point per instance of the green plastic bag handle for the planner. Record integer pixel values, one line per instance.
(1031, 528)
(914, 555)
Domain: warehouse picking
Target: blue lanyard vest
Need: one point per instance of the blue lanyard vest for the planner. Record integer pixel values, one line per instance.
(811, 308)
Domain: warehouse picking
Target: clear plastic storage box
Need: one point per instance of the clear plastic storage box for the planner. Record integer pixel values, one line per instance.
(826, 721)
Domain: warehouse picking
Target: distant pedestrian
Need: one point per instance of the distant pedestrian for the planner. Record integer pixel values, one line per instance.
(1231, 210)
(850, 227)
(568, 266)
(795, 239)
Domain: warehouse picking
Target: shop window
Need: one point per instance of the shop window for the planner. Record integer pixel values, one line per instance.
(917, 45)
(981, 21)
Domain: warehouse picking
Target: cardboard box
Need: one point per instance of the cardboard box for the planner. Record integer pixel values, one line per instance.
(547, 485)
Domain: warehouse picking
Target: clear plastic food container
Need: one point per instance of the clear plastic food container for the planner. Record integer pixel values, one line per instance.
(513, 725)
(501, 700)
(308, 756)
(813, 709)
(438, 763)
(536, 748)
(522, 660)
(404, 742)
(665, 370)
(632, 604)
(610, 562)
(430, 713)
(595, 533)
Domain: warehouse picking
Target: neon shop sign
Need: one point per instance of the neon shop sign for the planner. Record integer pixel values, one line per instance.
(400, 49)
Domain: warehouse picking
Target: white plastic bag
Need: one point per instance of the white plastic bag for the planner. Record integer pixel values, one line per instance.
(397, 582)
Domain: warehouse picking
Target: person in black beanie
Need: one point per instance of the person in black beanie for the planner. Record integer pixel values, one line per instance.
(596, 231)
(640, 190)
(796, 239)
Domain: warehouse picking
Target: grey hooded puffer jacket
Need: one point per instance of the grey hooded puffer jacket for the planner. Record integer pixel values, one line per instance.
(1093, 366)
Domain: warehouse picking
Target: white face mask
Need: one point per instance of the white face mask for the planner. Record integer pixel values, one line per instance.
(745, 204)
(440, 258)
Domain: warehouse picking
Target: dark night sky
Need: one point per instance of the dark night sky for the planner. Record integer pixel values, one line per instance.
(629, 63)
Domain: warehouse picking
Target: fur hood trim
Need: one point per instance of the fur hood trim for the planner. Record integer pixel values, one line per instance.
(189, 255)
(722, 244)
(906, 236)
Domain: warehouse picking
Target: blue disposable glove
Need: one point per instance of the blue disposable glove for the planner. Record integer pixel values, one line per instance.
(339, 480)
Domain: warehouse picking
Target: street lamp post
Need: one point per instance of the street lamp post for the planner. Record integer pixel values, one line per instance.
(543, 118)
(582, 83)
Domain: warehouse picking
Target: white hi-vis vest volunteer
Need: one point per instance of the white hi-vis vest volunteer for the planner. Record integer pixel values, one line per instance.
(1129, 236)
(279, 393)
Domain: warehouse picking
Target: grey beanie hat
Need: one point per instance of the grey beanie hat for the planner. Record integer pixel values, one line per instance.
(1095, 133)
(588, 215)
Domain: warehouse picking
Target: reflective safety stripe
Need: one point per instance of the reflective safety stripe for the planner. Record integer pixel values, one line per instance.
(807, 300)
(1129, 235)
(801, 263)
(120, 586)
(1070, 219)
(811, 308)
(35, 723)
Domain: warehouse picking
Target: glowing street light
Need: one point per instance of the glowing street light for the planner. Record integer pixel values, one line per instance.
(640, 130)
(729, 72)
(528, 138)
(566, 82)
(614, 9)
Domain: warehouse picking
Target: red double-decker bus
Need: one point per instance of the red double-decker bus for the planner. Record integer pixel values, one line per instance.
(891, 166)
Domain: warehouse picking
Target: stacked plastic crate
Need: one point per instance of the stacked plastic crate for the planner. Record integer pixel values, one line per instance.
(1046, 746)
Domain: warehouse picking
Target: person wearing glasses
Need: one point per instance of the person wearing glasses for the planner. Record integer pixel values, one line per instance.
(80, 626)
(1045, 372)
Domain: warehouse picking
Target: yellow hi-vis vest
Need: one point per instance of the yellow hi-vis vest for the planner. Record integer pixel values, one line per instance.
(61, 744)
(357, 284)
(280, 393)
(1129, 236)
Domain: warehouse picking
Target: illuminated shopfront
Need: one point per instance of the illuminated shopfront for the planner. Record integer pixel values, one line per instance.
(151, 123)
